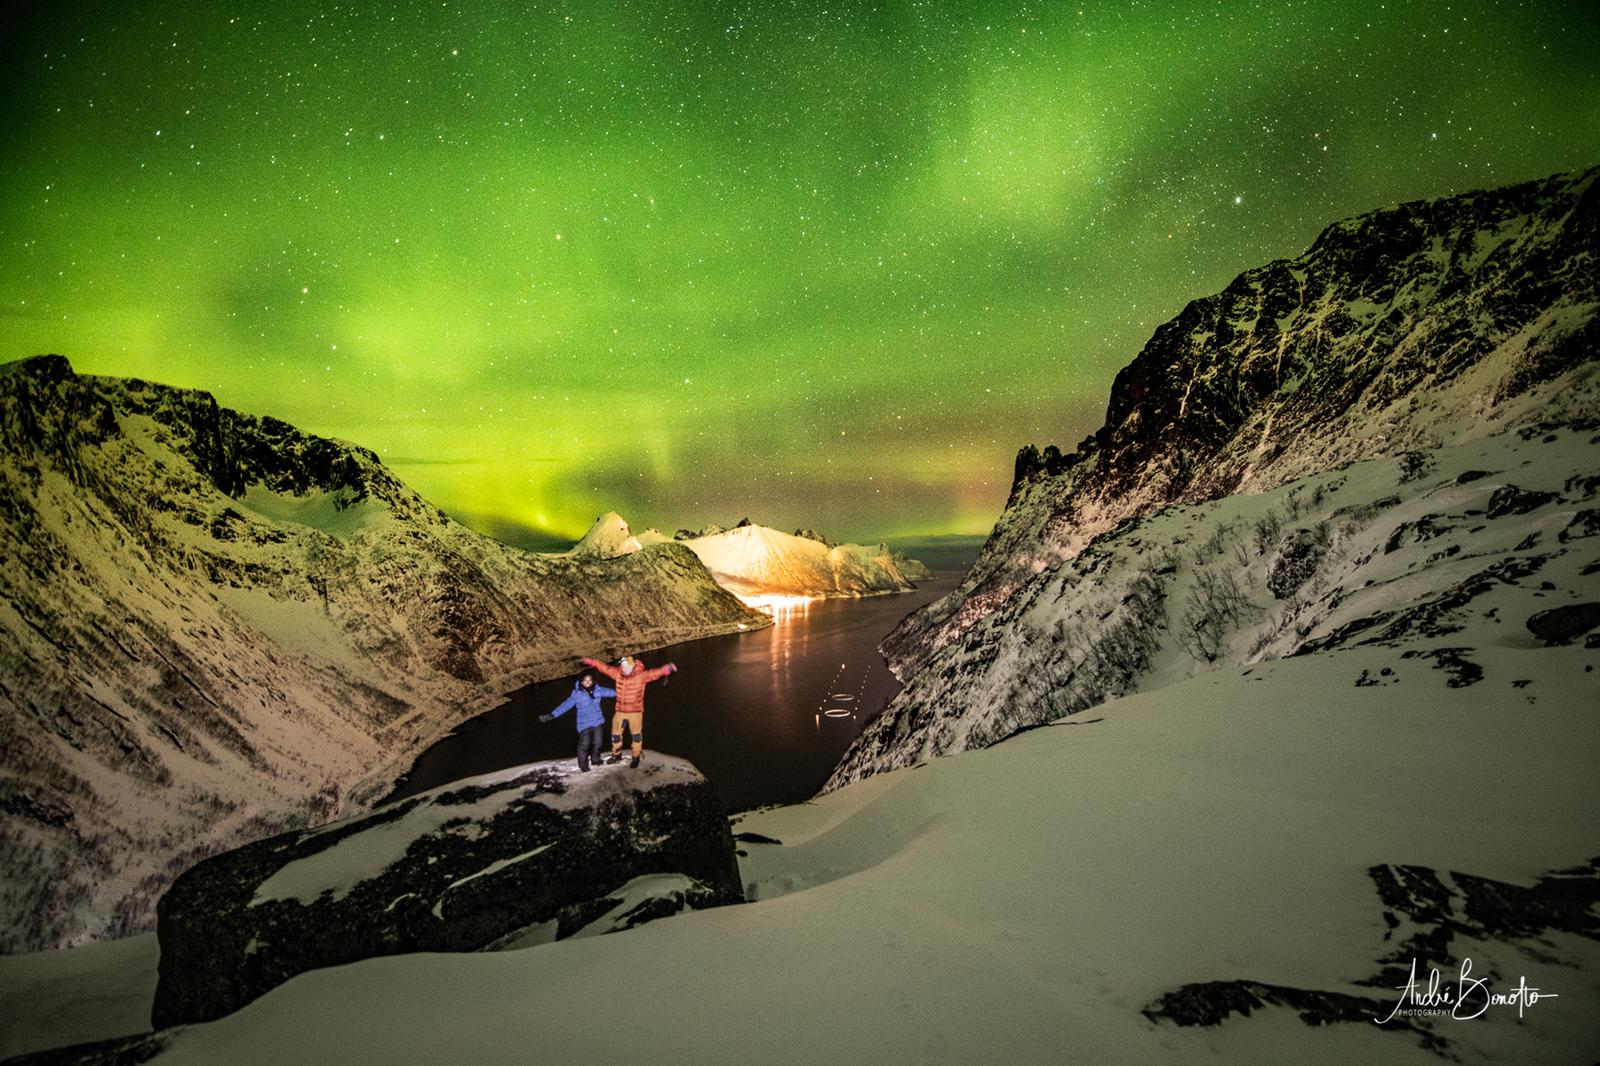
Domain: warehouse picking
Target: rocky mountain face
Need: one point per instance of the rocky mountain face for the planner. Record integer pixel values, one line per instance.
(1200, 525)
(1408, 328)
(216, 627)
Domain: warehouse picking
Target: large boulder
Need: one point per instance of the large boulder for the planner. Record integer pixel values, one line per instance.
(1564, 624)
(533, 853)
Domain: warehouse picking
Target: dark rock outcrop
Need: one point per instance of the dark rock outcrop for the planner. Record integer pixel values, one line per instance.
(461, 868)
(118, 1051)
(1424, 914)
(1586, 523)
(1295, 560)
(1562, 625)
(1509, 499)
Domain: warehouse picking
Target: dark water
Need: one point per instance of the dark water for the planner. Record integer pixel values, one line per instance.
(765, 715)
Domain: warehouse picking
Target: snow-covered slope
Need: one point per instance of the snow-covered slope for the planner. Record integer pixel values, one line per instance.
(1413, 333)
(214, 627)
(1412, 327)
(609, 537)
(1444, 552)
(1029, 902)
(754, 560)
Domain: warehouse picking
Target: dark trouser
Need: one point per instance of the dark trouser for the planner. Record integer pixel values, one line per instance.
(589, 745)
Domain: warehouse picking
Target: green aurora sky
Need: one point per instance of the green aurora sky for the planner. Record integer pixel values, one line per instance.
(824, 264)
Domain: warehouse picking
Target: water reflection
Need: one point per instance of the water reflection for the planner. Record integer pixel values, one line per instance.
(783, 609)
(737, 707)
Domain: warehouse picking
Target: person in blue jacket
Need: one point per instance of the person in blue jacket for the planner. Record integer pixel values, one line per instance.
(585, 698)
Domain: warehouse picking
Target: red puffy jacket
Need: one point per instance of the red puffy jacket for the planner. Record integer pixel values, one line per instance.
(630, 687)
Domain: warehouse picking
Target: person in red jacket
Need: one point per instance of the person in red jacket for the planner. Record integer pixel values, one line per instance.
(630, 677)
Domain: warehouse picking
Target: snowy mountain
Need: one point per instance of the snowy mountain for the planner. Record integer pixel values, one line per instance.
(216, 627)
(753, 560)
(610, 536)
(1416, 326)
(1439, 555)
(1420, 333)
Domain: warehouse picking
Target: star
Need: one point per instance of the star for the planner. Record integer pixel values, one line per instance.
(785, 254)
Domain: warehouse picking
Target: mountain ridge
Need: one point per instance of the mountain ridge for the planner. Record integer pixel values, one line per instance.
(217, 626)
(1472, 300)
(1399, 338)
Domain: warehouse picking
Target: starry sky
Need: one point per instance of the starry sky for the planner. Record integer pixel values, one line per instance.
(826, 263)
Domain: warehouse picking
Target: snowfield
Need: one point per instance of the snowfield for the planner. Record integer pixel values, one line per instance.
(1027, 902)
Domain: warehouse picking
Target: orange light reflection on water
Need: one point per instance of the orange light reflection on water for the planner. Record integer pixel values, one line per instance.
(781, 608)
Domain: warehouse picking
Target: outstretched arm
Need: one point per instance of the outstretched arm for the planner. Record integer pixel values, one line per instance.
(610, 671)
(660, 671)
(567, 705)
(604, 693)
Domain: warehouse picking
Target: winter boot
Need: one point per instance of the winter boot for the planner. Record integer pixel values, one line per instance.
(613, 758)
(634, 762)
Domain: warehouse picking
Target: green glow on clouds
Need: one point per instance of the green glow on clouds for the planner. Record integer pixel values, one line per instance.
(824, 265)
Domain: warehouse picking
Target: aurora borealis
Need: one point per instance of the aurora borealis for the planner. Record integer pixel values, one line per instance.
(824, 264)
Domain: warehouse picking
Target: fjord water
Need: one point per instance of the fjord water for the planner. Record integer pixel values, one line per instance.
(764, 715)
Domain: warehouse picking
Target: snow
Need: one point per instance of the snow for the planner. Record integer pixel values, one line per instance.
(224, 668)
(1389, 347)
(300, 626)
(52, 998)
(496, 867)
(635, 892)
(339, 514)
(607, 538)
(1139, 609)
(361, 856)
(336, 870)
(1024, 902)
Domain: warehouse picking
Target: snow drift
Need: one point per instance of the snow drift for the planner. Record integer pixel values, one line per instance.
(1030, 902)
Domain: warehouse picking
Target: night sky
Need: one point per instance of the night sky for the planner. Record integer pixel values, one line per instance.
(827, 264)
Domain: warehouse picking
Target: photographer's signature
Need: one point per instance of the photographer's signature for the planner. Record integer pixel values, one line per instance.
(1469, 997)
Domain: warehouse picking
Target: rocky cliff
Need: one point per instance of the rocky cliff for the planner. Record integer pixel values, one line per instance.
(214, 627)
(1411, 327)
(1395, 342)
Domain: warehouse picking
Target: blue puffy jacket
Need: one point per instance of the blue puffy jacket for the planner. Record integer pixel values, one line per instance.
(587, 701)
